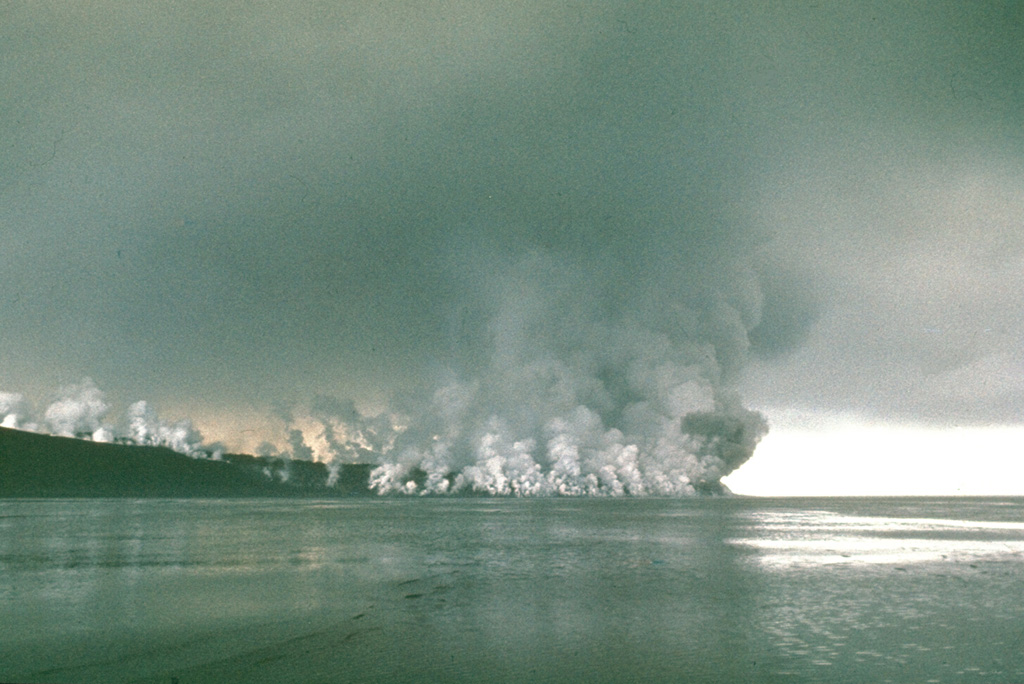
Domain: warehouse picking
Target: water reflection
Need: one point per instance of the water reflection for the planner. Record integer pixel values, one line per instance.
(716, 590)
(787, 538)
(889, 590)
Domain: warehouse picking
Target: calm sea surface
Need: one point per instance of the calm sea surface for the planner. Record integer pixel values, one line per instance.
(445, 589)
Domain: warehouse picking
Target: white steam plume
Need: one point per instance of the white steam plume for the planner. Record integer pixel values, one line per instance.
(571, 402)
(14, 411)
(79, 411)
(145, 427)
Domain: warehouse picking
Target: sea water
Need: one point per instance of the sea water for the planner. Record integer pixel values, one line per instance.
(482, 589)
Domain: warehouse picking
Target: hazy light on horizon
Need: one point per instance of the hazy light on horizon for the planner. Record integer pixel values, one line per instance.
(880, 460)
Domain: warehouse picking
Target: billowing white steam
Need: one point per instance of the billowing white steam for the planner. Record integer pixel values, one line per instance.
(14, 411)
(79, 411)
(144, 427)
(568, 404)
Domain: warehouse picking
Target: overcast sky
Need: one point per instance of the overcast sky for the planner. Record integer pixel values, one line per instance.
(231, 209)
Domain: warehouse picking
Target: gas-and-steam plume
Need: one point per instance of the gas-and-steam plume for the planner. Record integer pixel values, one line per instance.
(14, 412)
(580, 395)
(145, 427)
(79, 410)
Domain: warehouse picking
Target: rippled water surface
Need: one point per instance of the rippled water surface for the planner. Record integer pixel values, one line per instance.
(415, 589)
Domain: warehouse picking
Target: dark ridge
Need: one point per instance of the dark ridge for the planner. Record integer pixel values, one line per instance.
(43, 466)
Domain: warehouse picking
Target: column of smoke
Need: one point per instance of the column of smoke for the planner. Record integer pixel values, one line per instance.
(80, 411)
(573, 400)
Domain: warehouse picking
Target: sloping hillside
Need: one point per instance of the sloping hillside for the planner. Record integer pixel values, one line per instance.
(34, 465)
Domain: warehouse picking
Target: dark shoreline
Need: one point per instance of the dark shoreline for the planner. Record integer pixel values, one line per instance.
(43, 466)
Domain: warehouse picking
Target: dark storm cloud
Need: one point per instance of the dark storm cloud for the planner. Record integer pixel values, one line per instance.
(283, 190)
(256, 204)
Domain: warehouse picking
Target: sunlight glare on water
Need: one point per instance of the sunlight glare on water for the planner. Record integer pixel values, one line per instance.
(824, 537)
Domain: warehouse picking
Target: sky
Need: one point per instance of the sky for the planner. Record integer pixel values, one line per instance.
(488, 236)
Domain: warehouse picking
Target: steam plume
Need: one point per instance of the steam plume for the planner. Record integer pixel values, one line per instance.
(13, 411)
(574, 399)
(78, 410)
(144, 427)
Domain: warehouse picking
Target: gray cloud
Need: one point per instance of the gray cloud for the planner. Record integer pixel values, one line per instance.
(244, 207)
(919, 274)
